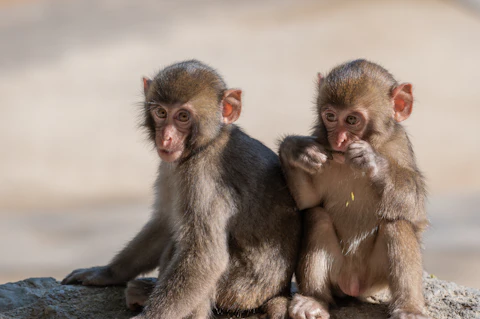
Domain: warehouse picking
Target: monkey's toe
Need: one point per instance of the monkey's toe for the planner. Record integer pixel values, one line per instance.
(303, 307)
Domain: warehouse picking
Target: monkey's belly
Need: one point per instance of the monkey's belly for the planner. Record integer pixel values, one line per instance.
(365, 278)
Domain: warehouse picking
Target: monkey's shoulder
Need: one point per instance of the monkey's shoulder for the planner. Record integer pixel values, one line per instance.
(245, 150)
(252, 167)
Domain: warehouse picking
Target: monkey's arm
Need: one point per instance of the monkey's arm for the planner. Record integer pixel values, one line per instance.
(302, 158)
(403, 195)
(142, 254)
(188, 284)
(401, 188)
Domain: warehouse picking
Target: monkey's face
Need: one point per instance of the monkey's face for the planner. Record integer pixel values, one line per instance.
(344, 126)
(173, 124)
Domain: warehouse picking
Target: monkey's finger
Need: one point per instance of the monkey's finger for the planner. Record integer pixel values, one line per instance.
(356, 151)
(317, 155)
(329, 155)
(88, 281)
(71, 280)
(354, 154)
(359, 143)
(73, 277)
(97, 279)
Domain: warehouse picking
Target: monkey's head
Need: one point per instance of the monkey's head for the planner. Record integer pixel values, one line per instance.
(360, 100)
(186, 105)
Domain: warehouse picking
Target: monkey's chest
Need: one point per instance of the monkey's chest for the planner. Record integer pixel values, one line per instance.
(351, 202)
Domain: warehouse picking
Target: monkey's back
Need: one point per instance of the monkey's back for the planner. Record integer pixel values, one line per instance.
(253, 172)
(264, 232)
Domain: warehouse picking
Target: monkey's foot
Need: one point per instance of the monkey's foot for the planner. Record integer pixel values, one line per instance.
(401, 314)
(303, 307)
(138, 291)
(277, 308)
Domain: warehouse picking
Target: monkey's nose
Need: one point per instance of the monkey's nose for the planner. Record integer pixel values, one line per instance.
(166, 141)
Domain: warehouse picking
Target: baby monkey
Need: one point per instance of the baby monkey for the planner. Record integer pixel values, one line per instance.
(224, 231)
(363, 195)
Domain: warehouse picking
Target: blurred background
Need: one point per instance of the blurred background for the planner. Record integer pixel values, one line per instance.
(76, 171)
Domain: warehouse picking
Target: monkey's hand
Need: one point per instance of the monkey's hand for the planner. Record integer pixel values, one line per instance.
(95, 276)
(305, 153)
(360, 155)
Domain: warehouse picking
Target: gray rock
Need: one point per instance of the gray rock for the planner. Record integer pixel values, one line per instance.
(45, 298)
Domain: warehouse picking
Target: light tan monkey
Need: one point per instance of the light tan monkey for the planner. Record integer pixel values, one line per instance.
(364, 196)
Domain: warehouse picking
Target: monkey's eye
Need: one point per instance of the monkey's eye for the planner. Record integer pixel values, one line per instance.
(330, 117)
(183, 116)
(352, 120)
(161, 113)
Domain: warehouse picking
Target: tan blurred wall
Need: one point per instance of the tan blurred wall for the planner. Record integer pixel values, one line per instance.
(70, 82)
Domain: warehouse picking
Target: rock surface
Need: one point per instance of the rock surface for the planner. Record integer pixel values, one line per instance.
(45, 298)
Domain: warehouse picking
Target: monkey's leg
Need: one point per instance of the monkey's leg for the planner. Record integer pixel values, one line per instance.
(138, 291)
(167, 256)
(191, 278)
(203, 311)
(405, 265)
(321, 250)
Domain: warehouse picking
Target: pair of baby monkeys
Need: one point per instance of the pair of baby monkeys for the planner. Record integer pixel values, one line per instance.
(343, 209)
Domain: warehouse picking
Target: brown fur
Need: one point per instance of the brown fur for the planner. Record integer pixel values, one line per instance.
(370, 240)
(224, 229)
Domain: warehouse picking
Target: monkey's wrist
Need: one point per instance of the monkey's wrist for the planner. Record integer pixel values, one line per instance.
(378, 170)
(115, 272)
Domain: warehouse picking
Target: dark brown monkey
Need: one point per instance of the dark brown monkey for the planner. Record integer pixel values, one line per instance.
(358, 179)
(225, 232)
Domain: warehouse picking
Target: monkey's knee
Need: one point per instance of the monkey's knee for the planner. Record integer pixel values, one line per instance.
(318, 219)
(321, 238)
(403, 246)
(277, 308)
(138, 291)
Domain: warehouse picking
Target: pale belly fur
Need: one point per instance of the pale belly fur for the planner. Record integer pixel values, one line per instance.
(351, 202)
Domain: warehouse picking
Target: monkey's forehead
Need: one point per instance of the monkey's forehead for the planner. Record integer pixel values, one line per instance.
(350, 93)
(181, 92)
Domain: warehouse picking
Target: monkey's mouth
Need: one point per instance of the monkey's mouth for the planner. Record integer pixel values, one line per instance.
(168, 150)
(168, 155)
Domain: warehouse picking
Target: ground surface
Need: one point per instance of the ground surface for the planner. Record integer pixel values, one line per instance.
(45, 298)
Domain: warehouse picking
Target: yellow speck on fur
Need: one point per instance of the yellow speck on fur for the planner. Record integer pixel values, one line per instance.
(346, 204)
(353, 196)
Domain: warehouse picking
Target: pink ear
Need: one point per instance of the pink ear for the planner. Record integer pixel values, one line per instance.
(146, 85)
(232, 105)
(402, 101)
(320, 78)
